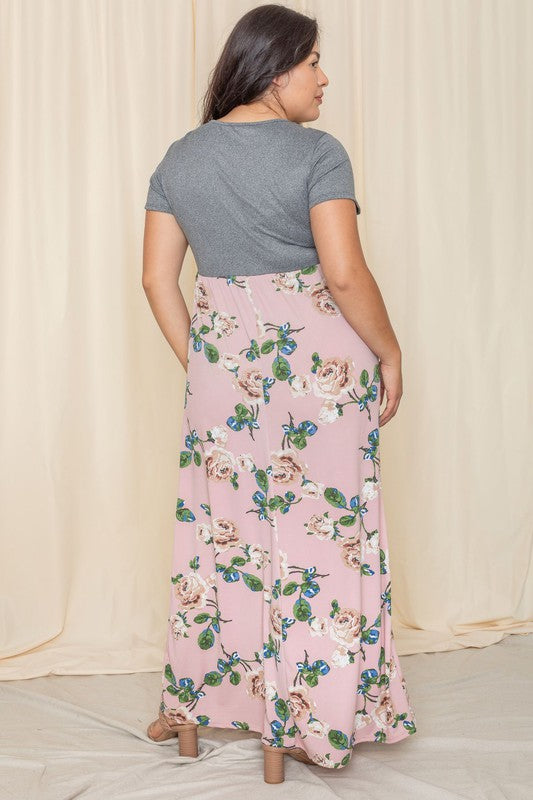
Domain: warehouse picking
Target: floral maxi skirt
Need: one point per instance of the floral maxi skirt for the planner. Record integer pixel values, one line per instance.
(280, 588)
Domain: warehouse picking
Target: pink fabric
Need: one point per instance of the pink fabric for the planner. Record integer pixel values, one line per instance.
(280, 594)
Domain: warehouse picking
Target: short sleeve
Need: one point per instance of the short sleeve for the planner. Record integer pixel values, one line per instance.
(156, 199)
(331, 174)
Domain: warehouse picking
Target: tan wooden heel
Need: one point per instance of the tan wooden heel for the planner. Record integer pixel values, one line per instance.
(274, 767)
(188, 740)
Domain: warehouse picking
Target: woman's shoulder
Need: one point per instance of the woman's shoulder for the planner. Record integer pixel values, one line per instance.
(310, 140)
(212, 127)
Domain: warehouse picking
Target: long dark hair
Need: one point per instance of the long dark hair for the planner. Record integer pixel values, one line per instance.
(267, 41)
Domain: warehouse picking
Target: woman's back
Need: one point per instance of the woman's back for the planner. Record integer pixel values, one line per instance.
(245, 189)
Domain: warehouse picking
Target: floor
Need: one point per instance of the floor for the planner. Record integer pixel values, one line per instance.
(66, 737)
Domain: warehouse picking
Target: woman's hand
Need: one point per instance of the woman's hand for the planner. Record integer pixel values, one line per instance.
(391, 382)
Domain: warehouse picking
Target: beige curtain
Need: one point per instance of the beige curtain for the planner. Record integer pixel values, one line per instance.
(433, 101)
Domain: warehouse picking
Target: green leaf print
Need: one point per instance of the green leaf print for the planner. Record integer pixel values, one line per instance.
(185, 458)
(183, 514)
(302, 609)
(213, 678)
(252, 582)
(268, 346)
(338, 739)
(169, 675)
(281, 369)
(211, 352)
(299, 440)
(290, 588)
(206, 639)
(282, 709)
(230, 575)
(252, 353)
(262, 479)
(335, 497)
(347, 520)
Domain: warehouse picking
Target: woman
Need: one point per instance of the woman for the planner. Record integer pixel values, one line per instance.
(280, 591)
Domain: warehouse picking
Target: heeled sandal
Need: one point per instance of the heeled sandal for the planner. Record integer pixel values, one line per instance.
(273, 762)
(187, 733)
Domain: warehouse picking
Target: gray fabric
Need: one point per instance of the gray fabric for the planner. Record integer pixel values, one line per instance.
(241, 192)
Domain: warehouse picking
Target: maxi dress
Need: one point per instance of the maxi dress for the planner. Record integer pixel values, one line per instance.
(280, 587)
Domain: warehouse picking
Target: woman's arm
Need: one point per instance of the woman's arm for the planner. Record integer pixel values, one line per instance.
(354, 289)
(164, 250)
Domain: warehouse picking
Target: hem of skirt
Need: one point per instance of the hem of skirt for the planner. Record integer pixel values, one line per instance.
(403, 734)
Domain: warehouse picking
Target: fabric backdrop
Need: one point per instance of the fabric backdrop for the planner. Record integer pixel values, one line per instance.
(429, 99)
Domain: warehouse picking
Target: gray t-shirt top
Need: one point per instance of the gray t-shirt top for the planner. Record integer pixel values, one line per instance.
(241, 192)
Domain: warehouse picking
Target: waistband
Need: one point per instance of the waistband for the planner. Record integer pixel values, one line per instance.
(241, 272)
